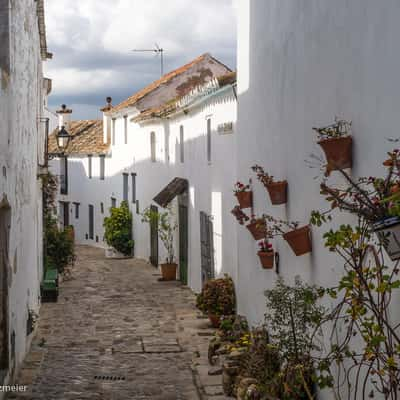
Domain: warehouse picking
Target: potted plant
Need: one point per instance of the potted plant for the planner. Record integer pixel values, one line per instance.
(266, 254)
(277, 189)
(257, 227)
(375, 200)
(243, 194)
(167, 226)
(118, 232)
(336, 142)
(298, 238)
(217, 298)
(239, 215)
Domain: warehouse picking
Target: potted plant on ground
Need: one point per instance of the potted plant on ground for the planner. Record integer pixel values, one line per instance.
(277, 189)
(167, 226)
(375, 200)
(298, 238)
(118, 232)
(266, 254)
(336, 142)
(217, 298)
(257, 227)
(243, 194)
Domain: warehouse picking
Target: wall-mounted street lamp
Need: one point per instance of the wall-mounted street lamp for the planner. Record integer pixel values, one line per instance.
(63, 139)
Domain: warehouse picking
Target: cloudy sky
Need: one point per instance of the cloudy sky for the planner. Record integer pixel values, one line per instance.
(92, 41)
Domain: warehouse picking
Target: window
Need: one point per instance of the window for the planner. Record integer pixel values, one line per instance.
(113, 202)
(153, 146)
(102, 208)
(102, 166)
(76, 205)
(90, 166)
(113, 132)
(133, 176)
(126, 129)
(182, 143)
(64, 175)
(91, 222)
(209, 140)
(125, 186)
(4, 36)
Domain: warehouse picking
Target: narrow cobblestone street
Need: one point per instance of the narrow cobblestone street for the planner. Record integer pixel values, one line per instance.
(116, 332)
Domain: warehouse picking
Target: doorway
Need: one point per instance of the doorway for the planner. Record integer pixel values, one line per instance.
(5, 223)
(154, 238)
(183, 242)
(91, 222)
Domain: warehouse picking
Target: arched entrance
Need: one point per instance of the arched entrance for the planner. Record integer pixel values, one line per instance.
(5, 223)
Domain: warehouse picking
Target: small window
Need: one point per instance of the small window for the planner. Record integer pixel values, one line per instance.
(133, 176)
(126, 129)
(125, 178)
(102, 166)
(102, 208)
(113, 132)
(209, 140)
(113, 202)
(90, 166)
(76, 205)
(182, 143)
(153, 146)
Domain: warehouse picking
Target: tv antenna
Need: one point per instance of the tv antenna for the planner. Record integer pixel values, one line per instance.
(158, 51)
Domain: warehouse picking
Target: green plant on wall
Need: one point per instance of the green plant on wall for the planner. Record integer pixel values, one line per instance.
(166, 225)
(118, 229)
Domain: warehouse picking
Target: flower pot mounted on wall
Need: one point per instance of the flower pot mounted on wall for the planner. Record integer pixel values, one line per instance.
(257, 228)
(338, 152)
(299, 240)
(267, 259)
(277, 192)
(388, 232)
(245, 199)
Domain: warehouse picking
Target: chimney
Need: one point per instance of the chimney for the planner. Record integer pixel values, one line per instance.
(107, 120)
(64, 117)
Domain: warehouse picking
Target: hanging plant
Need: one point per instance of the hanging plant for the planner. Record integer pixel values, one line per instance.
(243, 194)
(257, 227)
(337, 144)
(266, 254)
(375, 200)
(240, 216)
(298, 238)
(277, 189)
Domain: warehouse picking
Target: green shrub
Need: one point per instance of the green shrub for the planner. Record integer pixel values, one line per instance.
(217, 297)
(118, 229)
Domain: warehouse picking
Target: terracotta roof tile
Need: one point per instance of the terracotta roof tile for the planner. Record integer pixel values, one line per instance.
(87, 138)
(164, 80)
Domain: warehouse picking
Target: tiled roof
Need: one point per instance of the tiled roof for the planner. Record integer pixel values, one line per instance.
(170, 107)
(87, 138)
(164, 80)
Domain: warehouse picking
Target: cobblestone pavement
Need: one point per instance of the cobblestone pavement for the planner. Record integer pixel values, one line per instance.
(116, 332)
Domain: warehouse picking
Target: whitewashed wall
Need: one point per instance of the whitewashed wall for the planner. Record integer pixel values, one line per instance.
(300, 64)
(209, 183)
(21, 148)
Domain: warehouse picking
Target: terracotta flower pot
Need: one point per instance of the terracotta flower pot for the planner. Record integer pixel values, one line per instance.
(299, 240)
(338, 152)
(267, 259)
(245, 199)
(388, 233)
(257, 229)
(168, 271)
(277, 192)
(215, 320)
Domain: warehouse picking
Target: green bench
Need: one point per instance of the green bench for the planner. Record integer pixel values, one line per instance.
(49, 286)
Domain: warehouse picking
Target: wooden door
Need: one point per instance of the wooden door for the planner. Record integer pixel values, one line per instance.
(183, 243)
(207, 247)
(154, 239)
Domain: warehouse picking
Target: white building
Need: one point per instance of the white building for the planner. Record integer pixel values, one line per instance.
(300, 64)
(22, 137)
(144, 143)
